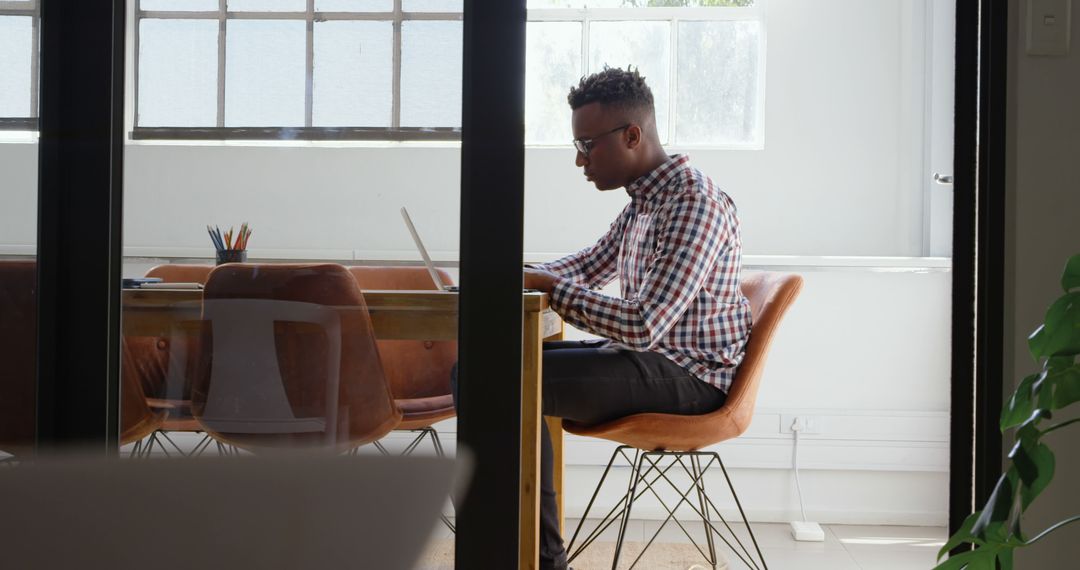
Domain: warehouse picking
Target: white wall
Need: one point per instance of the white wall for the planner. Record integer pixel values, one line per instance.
(1043, 199)
(864, 351)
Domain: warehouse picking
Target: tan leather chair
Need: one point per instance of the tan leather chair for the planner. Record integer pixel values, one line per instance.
(163, 376)
(291, 360)
(679, 439)
(418, 371)
(18, 384)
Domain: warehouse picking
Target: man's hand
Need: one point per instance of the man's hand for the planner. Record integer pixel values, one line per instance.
(539, 279)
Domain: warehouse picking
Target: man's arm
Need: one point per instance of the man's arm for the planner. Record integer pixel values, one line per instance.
(695, 231)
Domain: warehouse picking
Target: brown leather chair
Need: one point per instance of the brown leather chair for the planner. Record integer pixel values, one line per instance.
(418, 371)
(290, 360)
(163, 376)
(679, 439)
(18, 385)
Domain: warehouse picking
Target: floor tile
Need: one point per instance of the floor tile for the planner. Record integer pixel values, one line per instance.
(895, 559)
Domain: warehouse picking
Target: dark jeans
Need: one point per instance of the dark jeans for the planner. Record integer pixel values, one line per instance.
(590, 382)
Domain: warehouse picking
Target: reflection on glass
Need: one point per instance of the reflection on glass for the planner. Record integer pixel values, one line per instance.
(353, 74)
(16, 46)
(18, 352)
(553, 65)
(177, 73)
(644, 45)
(264, 73)
(717, 82)
(431, 74)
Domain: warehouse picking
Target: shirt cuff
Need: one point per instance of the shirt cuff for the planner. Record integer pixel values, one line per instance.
(563, 295)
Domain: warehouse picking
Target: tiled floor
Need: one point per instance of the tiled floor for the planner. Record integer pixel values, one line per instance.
(846, 547)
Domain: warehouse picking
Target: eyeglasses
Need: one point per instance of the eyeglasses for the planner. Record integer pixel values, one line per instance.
(585, 145)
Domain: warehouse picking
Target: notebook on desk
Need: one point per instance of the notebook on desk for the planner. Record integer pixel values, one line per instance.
(439, 284)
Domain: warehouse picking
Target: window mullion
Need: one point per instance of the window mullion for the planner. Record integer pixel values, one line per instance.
(221, 63)
(585, 33)
(309, 65)
(395, 119)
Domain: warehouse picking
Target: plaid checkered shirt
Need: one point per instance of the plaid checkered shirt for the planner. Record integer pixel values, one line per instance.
(677, 253)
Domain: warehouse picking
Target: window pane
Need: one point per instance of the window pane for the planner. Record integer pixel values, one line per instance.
(432, 5)
(179, 5)
(533, 4)
(354, 5)
(717, 82)
(16, 43)
(267, 5)
(430, 74)
(177, 73)
(264, 73)
(643, 45)
(553, 64)
(353, 84)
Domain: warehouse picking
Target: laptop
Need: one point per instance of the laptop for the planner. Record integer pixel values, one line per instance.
(424, 254)
(427, 259)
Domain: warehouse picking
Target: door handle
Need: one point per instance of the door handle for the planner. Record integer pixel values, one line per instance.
(946, 179)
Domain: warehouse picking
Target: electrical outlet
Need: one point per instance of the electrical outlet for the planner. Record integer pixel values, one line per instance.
(805, 424)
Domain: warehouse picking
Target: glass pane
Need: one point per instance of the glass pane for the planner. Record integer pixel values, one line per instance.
(553, 65)
(431, 74)
(643, 45)
(353, 83)
(16, 45)
(718, 82)
(179, 5)
(354, 5)
(264, 73)
(432, 5)
(267, 5)
(177, 73)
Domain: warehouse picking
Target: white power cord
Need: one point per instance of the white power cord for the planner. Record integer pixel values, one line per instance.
(805, 530)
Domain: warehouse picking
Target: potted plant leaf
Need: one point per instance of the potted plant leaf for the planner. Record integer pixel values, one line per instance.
(1033, 411)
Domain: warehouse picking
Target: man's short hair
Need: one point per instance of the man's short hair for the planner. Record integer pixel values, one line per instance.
(614, 87)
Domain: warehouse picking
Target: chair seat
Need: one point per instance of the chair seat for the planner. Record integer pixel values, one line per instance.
(664, 432)
(423, 412)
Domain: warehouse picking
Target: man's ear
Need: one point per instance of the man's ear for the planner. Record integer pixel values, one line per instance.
(633, 136)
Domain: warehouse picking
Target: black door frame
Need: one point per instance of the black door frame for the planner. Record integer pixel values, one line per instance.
(79, 247)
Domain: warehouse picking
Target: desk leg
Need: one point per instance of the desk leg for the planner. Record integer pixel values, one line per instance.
(529, 540)
(555, 429)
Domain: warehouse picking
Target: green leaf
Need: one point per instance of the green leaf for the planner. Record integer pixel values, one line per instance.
(1019, 407)
(1059, 363)
(1005, 559)
(991, 522)
(1070, 279)
(962, 535)
(1060, 335)
(1066, 387)
(979, 559)
(1044, 462)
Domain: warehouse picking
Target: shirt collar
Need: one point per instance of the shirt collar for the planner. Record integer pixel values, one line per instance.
(645, 188)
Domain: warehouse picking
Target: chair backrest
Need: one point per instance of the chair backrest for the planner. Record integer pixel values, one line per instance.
(181, 273)
(153, 361)
(770, 295)
(415, 369)
(295, 346)
(18, 382)
(18, 353)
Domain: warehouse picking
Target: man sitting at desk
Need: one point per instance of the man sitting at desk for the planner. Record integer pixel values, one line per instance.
(674, 337)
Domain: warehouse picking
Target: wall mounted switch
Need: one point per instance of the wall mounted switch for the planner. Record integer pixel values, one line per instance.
(1049, 26)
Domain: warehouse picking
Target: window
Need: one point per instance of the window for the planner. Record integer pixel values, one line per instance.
(18, 64)
(391, 69)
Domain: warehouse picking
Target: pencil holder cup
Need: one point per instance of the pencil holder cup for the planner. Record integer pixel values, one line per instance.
(231, 256)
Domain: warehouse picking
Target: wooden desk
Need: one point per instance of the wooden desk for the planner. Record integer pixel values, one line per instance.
(414, 315)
